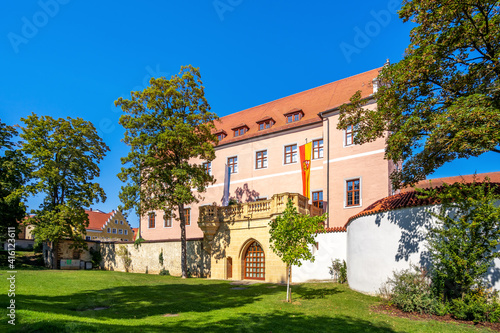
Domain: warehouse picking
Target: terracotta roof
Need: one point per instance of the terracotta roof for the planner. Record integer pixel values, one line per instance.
(399, 201)
(97, 219)
(493, 176)
(136, 230)
(336, 229)
(311, 102)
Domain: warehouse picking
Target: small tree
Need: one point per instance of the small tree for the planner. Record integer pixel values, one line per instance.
(168, 125)
(463, 243)
(291, 235)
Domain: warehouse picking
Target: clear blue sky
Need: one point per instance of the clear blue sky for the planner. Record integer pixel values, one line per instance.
(74, 58)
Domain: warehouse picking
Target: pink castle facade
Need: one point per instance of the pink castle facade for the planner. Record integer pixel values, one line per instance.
(260, 145)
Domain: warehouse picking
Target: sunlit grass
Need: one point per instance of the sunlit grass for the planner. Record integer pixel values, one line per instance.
(100, 301)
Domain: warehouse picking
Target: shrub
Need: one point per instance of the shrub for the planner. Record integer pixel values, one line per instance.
(476, 307)
(164, 271)
(410, 290)
(38, 246)
(96, 257)
(125, 255)
(338, 271)
(160, 257)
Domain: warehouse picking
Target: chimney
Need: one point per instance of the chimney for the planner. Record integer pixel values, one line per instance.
(90, 209)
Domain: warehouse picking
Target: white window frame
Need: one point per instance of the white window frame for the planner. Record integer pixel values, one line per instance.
(255, 159)
(360, 192)
(147, 221)
(283, 154)
(237, 163)
(344, 134)
(171, 221)
(312, 149)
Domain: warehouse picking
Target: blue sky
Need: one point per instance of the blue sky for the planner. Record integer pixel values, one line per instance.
(74, 58)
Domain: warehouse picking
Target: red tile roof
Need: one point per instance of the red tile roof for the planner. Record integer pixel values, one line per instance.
(409, 198)
(311, 102)
(493, 176)
(97, 219)
(336, 229)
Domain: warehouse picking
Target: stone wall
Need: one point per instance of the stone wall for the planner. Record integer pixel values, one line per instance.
(145, 258)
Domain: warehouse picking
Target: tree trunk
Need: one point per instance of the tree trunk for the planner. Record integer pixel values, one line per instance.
(182, 219)
(288, 290)
(55, 251)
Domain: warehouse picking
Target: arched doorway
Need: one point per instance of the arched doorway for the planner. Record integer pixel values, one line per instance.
(254, 262)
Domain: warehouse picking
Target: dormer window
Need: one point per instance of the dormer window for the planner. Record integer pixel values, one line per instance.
(265, 123)
(220, 134)
(240, 130)
(294, 115)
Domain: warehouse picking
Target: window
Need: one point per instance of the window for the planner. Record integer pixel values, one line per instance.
(240, 131)
(95, 237)
(261, 159)
(208, 167)
(317, 150)
(87, 237)
(121, 222)
(167, 221)
(293, 117)
(221, 136)
(350, 133)
(109, 230)
(352, 192)
(265, 124)
(126, 232)
(114, 230)
(317, 199)
(116, 221)
(120, 231)
(187, 216)
(232, 163)
(151, 220)
(290, 154)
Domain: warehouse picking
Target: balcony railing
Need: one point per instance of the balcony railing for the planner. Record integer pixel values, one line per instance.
(210, 217)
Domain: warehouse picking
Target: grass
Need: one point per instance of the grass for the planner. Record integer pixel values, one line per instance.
(66, 301)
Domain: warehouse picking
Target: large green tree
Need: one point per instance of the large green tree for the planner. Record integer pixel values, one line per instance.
(63, 157)
(168, 126)
(442, 100)
(291, 236)
(12, 209)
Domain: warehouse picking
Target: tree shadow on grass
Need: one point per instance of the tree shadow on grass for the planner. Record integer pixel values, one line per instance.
(238, 322)
(136, 302)
(314, 293)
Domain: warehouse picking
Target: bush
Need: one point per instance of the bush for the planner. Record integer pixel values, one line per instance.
(476, 307)
(338, 271)
(410, 290)
(164, 272)
(96, 257)
(38, 246)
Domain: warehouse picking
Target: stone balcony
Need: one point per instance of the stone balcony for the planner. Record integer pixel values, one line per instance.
(211, 217)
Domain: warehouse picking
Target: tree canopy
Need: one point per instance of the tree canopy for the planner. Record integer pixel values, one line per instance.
(169, 130)
(442, 100)
(12, 209)
(62, 160)
(292, 234)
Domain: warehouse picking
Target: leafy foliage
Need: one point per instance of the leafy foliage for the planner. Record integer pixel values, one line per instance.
(168, 125)
(338, 271)
(12, 165)
(124, 254)
(96, 257)
(62, 159)
(463, 243)
(442, 101)
(410, 290)
(292, 234)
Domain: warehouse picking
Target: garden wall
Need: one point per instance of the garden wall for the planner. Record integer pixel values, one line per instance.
(331, 246)
(145, 258)
(379, 244)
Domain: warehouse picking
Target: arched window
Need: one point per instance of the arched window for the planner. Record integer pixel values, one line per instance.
(254, 262)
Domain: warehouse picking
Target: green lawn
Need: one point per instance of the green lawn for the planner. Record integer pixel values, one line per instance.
(65, 301)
